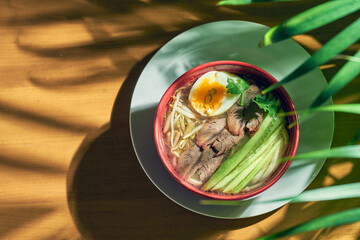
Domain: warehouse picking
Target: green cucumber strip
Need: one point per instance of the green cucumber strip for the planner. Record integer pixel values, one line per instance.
(266, 128)
(248, 164)
(244, 175)
(268, 157)
(265, 172)
(260, 158)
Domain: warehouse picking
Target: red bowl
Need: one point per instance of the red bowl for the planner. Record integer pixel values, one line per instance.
(264, 79)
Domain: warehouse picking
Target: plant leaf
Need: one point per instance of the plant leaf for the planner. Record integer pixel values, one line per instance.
(234, 87)
(352, 151)
(244, 2)
(337, 44)
(311, 19)
(266, 105)
(355, 139)
(344, 191)
(347, 108)
(347, 57)
(348, 72)
(340, 218)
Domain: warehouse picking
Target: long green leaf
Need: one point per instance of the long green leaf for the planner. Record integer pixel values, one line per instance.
(344, 191)
(337, 44)
(348, 108)
(244, 2)
(355, 139)
(348, 72)
(341, 218)
(347, 58)
(302, 114)
(311, 19)
(352, 151)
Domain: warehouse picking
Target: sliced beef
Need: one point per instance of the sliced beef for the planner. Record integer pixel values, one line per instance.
(207, 154)
(210, 131)
(224, 142)
(234, 120)
(253, 125)
(251, 93)
(187, 160)
(205, 171)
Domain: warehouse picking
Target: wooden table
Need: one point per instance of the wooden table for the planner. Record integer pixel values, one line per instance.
(68, 169)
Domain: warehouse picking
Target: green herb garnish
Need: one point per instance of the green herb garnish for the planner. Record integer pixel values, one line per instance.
(267, 105)
(208, 97)
(236, 87)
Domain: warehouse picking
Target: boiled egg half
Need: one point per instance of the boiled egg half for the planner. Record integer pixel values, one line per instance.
(209, 97)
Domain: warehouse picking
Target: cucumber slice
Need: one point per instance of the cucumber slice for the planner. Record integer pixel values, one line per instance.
(268, 157)
(258, 159)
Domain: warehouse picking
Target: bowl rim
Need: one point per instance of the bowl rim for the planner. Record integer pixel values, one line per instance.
(183, 80)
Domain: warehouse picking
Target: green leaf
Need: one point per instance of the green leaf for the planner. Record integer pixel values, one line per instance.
(346, 108)
(244, 2)
(337, 44)
(311, 19)
(352, 151)
(347, 58)
(344, 191)
(236, 88)
(355, 139)
(348, 72)
(266, 105)
(337, 219)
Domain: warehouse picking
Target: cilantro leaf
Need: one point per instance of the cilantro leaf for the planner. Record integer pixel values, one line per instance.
(236, 88)
(270, 106)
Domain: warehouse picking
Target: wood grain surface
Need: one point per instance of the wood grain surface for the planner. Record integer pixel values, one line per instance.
(68, 170)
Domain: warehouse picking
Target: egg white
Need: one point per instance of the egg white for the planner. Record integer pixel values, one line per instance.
(227, 100)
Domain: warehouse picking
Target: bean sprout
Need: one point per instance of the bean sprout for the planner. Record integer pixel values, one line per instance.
(195, 130)
(172, 117)
(182, 123)
(183, 143)
(167, 124)
(190, 126)
(176, 154)
(185, 113)
(176, 137)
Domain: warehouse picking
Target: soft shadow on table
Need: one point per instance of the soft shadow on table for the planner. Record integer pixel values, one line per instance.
(110, 196)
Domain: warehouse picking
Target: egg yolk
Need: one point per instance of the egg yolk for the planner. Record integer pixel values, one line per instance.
(207, 98)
